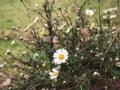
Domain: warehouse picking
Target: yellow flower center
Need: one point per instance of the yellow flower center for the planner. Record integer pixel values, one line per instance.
(55, 74)
(92, 26)
(42, 34)
(61, 56)
(44, 64)
(89, 13)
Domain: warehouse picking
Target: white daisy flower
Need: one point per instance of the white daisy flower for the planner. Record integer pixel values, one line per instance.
(54, 73)
(113, 9)
(13, 43)
(35, 55)
(89, 12)
(6, 38)
(117, 64)
(36, 5)
(113, 16)
(96, 73)
(45, 25)
(60, 56)
(116, 59)
(24, 52)
(105, 11)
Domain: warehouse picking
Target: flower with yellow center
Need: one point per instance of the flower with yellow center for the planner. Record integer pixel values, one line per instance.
(44, 64)
(54, 73)
(117, 64)
(89, 12)
(92, 26)
(60, 56)
(42, 33)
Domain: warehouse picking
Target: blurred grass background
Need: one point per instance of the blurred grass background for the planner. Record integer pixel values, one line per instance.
(13, 12)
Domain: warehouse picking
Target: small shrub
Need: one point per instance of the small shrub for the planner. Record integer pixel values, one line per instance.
(64, 52)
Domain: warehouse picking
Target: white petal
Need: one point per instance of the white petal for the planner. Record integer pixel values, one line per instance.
(54, 70)
(66, 57)
(56, 60)
(50, 73)
(55, 76)
(65, 51)
(51, 77)
(64, 61)
(55, 55)
(59, 51)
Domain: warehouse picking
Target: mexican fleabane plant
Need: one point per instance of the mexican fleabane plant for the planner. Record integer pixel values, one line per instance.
(67, 51)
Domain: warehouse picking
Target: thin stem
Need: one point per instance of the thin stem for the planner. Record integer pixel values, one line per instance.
(48, 11)
(26, 8)
(100, 23)
(111, 43)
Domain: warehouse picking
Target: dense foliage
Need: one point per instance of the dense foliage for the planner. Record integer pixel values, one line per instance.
(67, 49)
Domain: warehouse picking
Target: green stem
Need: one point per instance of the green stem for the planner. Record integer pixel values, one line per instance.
(100, 23)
